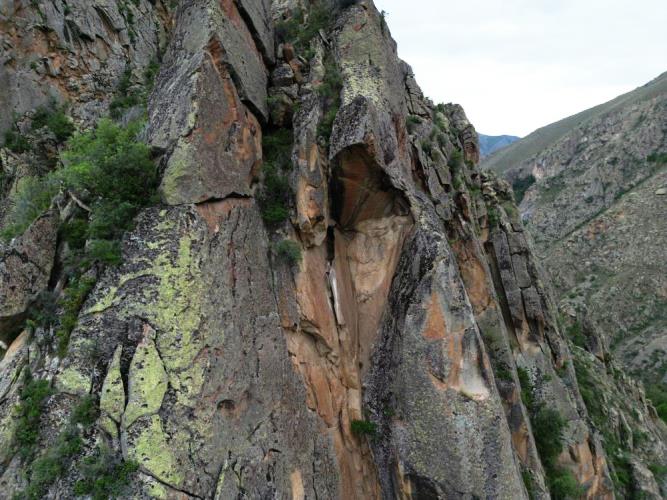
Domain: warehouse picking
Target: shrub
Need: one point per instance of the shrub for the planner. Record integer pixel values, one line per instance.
(548, 426)
(32, 199)
(104, 475)
(502, 372)
(28, 412)
(329, 91)
(16, 142)
(275, 196)
(73, 298)
(658, 396)
(46, 469)
(289, 251)
(363, 428)
(659, 158)
(528, 483)
(55, 119)
(74, 233)
(563, 484)
(111, 164)
(493, 216)
(526, 388)
(86, 412)
(576, 335)
(520, 186)
(105, 251)
(411, 123)
(125, 97)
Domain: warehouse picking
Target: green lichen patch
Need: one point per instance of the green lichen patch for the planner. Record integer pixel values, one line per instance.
(147, 383)
(148, 446)
(72, 381)
(112, 398)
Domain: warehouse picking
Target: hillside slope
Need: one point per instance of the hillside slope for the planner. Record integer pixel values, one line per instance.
(591, 190)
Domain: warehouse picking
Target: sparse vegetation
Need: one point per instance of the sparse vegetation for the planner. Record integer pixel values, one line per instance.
(576, 335)
(73, 298)
(659, 158)
(54, 118)
(16, 142)
(290, 251)
(363, 428)
(658, 396)
(520, 186)
(32, 398)
(104, 475)
(129, 95)
(275, 196)
(56, 459)
(33, 197)
(302, 26)
(329, 91)
(411, 123)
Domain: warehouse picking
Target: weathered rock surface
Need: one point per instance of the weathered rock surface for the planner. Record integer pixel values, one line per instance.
(401, 348)
(597, 217)
(74, 51)
(25, 270)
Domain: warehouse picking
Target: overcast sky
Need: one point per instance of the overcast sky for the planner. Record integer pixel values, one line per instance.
(516, 65)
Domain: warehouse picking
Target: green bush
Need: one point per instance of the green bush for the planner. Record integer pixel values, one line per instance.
(548, 426)
(520, 186)
(32, 398)
(329, 91)
(527, 477)
(16, 142)
(411, 123)
(74, 233)
(86, 412)
(363, 428)
(659, 158)
(104, 475)
(55, 461)
(493, 216)
(576, 334)
(55, 119)
(563, 485)
(73, 298)
(658, 396)
(526, 388)
(32, 199)
(289, 251)
(275, 196)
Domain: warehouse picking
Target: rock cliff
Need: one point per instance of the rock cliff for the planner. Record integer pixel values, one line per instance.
(326, 298)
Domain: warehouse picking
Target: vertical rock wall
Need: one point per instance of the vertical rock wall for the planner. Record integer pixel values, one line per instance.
(227, 371)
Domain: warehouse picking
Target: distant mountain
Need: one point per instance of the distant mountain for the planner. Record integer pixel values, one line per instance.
(491, 143)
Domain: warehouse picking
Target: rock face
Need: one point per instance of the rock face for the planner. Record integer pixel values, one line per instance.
(25, 270)
(594, 209)
(391, 338)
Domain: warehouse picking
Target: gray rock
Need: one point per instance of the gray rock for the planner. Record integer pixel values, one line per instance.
(25, 269)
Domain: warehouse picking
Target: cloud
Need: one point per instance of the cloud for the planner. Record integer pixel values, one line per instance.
(516, 65)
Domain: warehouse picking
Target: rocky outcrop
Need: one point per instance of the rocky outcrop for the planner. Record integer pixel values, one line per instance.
(74, 52)
(391, 337)
(25, 270)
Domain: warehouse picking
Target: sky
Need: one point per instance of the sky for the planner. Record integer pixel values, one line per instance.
(517, 65)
